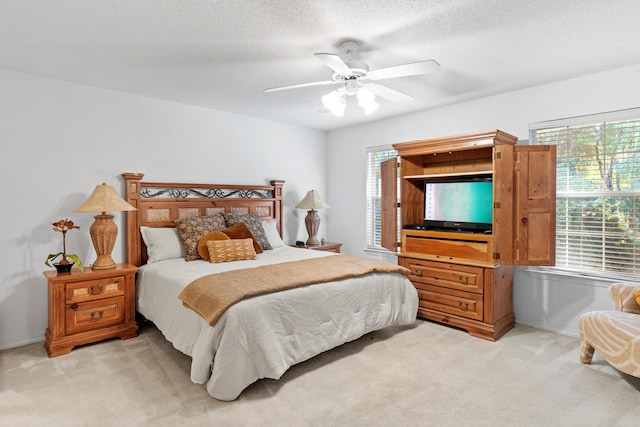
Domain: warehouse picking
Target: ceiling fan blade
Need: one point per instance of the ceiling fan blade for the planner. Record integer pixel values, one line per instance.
(412, 69)
(389, 94)
(325, 82)
(334, 62)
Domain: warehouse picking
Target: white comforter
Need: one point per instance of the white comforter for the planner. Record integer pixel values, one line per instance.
(262, 337)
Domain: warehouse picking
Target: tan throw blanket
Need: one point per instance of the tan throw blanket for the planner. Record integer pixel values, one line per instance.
(211, 295)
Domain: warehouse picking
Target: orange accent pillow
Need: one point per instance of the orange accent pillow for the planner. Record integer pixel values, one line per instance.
(241, 231)
(203, 250)
(231, 250)
(638, 296)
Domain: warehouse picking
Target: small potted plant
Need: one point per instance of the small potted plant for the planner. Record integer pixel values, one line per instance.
(68, 260)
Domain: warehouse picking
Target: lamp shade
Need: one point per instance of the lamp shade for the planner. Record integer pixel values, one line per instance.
(104, 199)
(312, 201)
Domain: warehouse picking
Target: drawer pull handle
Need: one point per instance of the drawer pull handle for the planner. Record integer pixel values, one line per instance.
(466, 278)
(418, 272)
(94, 317)
(95, 290)
(419, 296)
(463, 303)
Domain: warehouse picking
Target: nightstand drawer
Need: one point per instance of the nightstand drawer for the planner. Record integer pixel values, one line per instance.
(94, 290)
(87, 316)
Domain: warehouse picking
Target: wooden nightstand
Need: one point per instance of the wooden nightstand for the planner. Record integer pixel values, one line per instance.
(90, 306)
(326, 246)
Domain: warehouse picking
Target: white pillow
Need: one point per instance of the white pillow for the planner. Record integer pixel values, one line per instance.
(162, 243)
(271, 230)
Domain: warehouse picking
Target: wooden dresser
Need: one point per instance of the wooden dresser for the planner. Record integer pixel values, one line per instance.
(90, 306)
(463, 278)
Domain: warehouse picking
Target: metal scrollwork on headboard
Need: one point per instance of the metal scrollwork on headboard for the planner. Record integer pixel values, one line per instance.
(210, 193)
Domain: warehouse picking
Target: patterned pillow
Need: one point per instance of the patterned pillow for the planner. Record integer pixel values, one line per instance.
(231, 250)
(192, 229)
(241, 231)
(255, 226)
(203, 249)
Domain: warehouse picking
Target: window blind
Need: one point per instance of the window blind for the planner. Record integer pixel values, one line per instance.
(598, 190)
(375, 156)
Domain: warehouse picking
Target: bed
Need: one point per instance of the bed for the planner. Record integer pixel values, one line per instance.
(260, 336)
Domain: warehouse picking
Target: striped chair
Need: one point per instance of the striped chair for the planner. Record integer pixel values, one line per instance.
(615, 334)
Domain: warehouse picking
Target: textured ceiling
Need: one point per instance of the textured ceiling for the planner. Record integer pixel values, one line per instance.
(223, 54)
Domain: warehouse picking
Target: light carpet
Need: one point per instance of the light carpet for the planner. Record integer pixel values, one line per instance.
(425, 374)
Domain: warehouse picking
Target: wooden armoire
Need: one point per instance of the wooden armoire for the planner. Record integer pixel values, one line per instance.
(464, 279)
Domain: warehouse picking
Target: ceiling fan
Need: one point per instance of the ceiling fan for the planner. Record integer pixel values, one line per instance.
(356, 79)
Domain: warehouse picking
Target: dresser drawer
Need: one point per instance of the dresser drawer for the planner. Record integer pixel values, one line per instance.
(468, 249)
(451, 276)
(458, 303)
(95, 289)
(86, 316)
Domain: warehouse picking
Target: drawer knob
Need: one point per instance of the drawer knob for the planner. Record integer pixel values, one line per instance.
(98, 317)
(461, 277)
(464, 305)
(95, 290)
(418, 272)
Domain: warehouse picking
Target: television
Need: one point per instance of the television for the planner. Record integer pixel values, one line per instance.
(462, 204)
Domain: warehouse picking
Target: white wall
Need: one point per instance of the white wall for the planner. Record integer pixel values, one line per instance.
(544, 301)
(61, 139)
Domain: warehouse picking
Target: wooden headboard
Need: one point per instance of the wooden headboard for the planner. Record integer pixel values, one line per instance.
(159, 203)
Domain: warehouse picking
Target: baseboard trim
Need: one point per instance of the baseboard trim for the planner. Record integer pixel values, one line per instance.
(6, 345)
(548, 327)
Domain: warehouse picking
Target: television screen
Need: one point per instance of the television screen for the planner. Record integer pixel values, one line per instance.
(460, 204)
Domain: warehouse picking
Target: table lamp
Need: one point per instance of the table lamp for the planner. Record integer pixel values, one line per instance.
(312, 221)
(104, 231)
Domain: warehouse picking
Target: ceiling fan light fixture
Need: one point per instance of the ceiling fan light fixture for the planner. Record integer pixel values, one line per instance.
(371, 108)
(367, 100)
(334, 102)
(357, 79)
(365, 97)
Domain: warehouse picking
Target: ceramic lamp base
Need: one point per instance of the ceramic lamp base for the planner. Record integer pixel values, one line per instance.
(103, 235)
(312, 222)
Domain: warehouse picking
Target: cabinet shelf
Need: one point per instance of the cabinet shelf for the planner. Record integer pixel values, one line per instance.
(447, 175)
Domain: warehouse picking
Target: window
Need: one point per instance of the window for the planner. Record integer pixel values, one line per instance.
(598, 190)
(375, 156)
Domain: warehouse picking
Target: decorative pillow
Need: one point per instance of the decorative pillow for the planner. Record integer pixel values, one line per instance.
(241, 231)
(203, 249)
(270, 227)
(193, 228)
(638, 295)
(162, 243)
(231, 250)
(255, 226)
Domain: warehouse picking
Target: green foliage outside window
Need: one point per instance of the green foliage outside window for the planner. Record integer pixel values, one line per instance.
(598, 190)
